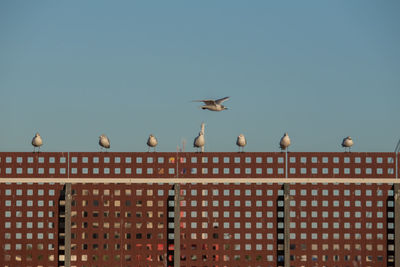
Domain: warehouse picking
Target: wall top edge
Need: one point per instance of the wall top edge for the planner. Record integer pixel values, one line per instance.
(198, 153)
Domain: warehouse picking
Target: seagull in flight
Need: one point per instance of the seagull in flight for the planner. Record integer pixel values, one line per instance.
(213, 105)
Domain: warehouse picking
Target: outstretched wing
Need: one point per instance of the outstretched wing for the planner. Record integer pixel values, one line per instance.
(206, 101)
(219, 101)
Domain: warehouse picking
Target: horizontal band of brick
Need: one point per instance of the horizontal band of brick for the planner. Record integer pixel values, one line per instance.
(187, 165)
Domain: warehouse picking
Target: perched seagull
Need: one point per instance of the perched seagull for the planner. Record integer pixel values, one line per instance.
(152, 142)
(241, 142)
(37, 142)
(347, 143)
(104, 141)
(199, 141)
(285, 142)
(213, 105)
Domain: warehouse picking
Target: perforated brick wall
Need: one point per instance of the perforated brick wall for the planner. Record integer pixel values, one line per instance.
(29, 225)
(197, 165)
(221, 224)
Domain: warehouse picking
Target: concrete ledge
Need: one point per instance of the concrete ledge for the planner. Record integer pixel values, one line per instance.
(201, 180)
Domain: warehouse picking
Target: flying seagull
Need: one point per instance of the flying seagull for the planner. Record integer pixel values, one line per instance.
(285, 142)
(37, 142)
(152, 142)
(241, 142)
(104, 141)
(213, 105)
(347, 143)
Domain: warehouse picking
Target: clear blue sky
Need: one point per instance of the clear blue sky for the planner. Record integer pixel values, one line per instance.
(319, 70)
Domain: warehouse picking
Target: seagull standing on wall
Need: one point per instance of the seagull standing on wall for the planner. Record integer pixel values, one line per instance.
(241, 142)
(152, 142)
(285, 142)
(37, 142)
(213, 105)
(199, 142)
(347, 143)
(104, 141)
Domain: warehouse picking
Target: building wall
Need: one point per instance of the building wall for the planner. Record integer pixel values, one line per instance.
(221, 224)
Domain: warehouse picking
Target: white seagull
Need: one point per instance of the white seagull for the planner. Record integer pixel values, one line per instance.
(104, 141)
(241, 142)
(199, 141)
(285, 142)
(37, 142)
(213, 105)
(152, 142)
(347, 143)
